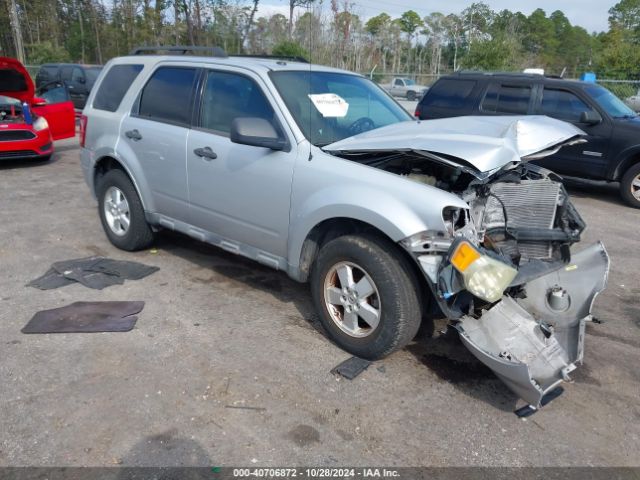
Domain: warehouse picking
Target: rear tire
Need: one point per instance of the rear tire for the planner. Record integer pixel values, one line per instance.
(121, 212)
(347, 313)
(630, 186)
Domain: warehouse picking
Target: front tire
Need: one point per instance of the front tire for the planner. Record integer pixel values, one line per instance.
(366, 294)
(630, 186)
(411, 95)
(121, 212)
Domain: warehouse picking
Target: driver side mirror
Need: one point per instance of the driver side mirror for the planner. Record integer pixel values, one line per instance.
(38, 102)
(590, 117)
(257, 132)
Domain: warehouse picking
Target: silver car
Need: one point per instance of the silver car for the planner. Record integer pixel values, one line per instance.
(320, 173)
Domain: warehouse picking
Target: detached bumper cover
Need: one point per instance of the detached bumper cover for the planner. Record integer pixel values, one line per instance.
(529, 345)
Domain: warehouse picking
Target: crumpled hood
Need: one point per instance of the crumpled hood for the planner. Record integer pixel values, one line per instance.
(15, 81)
(485, 143)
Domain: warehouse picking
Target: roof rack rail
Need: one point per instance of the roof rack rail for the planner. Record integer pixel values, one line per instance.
(179, 49)
(290, 58)
(505, 74)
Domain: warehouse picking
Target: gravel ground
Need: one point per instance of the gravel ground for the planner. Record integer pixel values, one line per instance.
(219, 332)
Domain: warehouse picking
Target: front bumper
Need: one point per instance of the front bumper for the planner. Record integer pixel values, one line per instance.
(39, 146)
(534, 341)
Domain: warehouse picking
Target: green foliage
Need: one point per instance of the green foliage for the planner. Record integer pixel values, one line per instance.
(376, 25)
(410, 21)
(45, 52)
(93, 31)
(289, 48)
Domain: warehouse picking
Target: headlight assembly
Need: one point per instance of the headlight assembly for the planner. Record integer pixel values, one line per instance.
(40, 124)
(483, 276)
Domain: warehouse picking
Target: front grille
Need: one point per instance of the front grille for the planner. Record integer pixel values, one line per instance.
(529, 204)
(13, 135)
(18, 154)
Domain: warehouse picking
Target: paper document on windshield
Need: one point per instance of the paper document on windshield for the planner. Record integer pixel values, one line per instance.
(330, 104)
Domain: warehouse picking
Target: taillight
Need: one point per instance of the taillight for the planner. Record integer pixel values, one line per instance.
(417, 112)
(83, 129)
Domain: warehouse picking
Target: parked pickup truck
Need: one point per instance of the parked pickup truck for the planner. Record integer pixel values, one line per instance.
(634, 102)
(405, 87)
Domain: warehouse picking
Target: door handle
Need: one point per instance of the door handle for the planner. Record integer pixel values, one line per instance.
(205, 153)
(133, 135)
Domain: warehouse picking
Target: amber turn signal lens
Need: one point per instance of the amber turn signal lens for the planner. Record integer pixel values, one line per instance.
(464, 256)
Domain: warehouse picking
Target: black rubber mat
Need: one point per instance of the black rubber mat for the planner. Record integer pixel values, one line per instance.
(92, 272)
(86, 317)
(352, 367)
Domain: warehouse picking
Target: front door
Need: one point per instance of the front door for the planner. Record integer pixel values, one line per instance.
(156, 136)
(238, 192)
(585, 159)
(57, 109)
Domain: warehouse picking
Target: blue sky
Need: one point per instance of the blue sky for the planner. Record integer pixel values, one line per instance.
(590, 14)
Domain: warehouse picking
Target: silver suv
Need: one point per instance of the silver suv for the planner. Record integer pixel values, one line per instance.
(320, 173)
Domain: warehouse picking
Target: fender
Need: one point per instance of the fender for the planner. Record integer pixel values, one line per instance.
(630, 156)
(133, 170)
(398, 215)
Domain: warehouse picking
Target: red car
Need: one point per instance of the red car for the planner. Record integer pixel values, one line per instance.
(30, 124)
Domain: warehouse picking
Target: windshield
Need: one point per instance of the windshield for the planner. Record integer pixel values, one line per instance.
(9, 101)
(408, 82)
(609, 102)
(330, 106)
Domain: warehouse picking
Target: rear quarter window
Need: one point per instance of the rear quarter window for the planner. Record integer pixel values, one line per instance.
(449, 93)
(114, 86)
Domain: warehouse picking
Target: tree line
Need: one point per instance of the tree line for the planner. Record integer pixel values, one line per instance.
(336, 33)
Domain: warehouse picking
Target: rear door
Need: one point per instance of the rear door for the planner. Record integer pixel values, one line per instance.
(156, 133)
(76, 82)
(57, 109)
(586, 159)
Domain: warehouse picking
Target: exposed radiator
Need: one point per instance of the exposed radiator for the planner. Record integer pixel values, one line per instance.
(529, 204)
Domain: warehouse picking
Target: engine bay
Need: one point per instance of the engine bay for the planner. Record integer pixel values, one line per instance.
(11, 111)
(522, 213)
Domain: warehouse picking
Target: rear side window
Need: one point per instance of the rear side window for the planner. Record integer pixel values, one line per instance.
(47, 73)
(563, 105)
(449, 93)
(66, 72)
(167, 96)
(114, 86)
(511, 99)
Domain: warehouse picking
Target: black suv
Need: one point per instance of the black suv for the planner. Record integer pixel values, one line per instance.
(612, 151)
(79, 79)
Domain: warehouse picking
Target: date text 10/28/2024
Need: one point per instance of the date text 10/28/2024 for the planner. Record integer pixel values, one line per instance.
(315, 472)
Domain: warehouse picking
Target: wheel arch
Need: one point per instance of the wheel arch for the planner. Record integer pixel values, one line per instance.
(110, 162)
(332, 228)
(630, 158)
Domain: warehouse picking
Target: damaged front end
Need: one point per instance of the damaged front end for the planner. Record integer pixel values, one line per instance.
(502, 270)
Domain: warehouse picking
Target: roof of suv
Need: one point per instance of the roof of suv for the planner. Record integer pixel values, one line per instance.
(254, 63)
(549, 80)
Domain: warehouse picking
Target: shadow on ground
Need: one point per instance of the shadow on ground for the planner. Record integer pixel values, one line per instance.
(444, 355)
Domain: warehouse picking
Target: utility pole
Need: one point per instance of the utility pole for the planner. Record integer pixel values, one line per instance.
(17, 31)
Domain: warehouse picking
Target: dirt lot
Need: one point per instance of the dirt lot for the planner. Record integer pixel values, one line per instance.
(219, 332)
